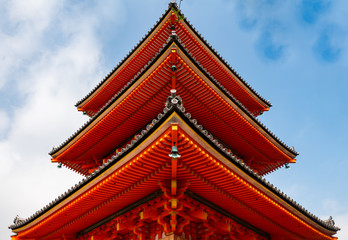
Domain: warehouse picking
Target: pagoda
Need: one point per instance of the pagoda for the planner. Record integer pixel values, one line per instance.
(173, 150)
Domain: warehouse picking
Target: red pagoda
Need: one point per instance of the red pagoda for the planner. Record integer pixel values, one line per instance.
(173, 150)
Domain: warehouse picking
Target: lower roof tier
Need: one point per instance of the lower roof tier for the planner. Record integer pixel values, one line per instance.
(143, 98)
(200, 167)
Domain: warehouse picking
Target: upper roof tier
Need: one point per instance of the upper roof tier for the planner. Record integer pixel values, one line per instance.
(143, 97)
(148, 47)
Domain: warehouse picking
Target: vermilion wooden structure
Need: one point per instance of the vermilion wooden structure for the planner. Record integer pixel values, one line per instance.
(173, 150)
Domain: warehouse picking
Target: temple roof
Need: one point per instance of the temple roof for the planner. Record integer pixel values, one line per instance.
(146, 50)
(222, 145)
(149, 88)
(274, 207)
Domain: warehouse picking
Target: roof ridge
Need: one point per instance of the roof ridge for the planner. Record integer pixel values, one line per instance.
(127, 55)
(226, 63)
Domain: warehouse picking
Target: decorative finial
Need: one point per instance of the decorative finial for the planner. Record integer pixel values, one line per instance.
(18, 220)
(330, 222)
(180, 4)
(173, 99)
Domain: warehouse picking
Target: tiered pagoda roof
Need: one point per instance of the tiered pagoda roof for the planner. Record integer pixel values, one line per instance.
(129, 153)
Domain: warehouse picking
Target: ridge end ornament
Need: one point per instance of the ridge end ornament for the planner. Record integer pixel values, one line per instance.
(173, 100)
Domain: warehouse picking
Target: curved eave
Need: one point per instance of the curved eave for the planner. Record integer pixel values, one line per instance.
(131, 55)
(113, 102)
(123, 96)
(227, 95)
(236, 77)
(133, 158)
(196, 45)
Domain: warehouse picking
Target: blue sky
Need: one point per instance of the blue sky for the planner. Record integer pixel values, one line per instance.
(293, 52)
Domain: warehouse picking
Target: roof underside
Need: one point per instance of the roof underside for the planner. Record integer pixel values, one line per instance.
(211, 173)
(147, 49)
(144, 97)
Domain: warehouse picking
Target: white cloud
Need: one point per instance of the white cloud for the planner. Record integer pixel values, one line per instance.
(4, 123)
(22, 27)
(339, 213)
(342, 222)
(49, 80)
(37, 13)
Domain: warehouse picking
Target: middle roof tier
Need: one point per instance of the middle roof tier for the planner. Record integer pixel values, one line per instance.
(144, 96)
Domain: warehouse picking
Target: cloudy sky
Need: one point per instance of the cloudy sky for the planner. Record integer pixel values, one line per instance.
(293, 52)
